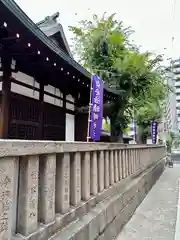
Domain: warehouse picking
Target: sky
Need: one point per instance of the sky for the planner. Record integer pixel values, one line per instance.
(152, 20)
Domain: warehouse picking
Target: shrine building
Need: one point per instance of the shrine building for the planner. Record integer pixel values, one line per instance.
(41, 85)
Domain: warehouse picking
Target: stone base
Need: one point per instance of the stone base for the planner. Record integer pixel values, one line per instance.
(106, 219)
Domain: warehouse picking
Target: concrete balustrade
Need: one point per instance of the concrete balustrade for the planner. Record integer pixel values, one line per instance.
(56, 182)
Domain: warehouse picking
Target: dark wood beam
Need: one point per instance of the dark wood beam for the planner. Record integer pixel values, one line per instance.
(5, 102)
(41, 112)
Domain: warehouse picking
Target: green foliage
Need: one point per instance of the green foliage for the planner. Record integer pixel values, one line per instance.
(169, 145)
(150, 104)
(103, 47)
(175, 137)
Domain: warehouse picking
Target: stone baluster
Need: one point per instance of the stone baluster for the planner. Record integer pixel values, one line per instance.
(129, 161)
(28, 195)
(85, 176)
(101, 171)
(111, 166)
(123, 163)
(116, 172)
(148, 158)
(126, 162)
(8, 196)
(133, 162)
(106, 170)
(93, 174)
(139, 159)
(75, 178)
(145, 158)
(62, 183)
(120, 164)
(132, 159)
(47, 175)
(136, 159)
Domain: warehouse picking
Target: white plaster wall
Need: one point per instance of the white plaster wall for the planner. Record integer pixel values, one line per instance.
(53, 100)
(21, 77)
(1, 73)
(70, 120)
(70, 106)
(149, 141)
(70, 130)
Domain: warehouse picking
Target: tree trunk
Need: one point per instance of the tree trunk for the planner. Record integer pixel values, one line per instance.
(121, 137)
(141, 139)
(116, 136)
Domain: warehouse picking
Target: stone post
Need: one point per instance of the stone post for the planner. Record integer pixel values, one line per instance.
(131, 160)
(93, 174)
(47, 174)
(75, 179)
(106, 169)
(62, 183)
(141, 157)
(137, 160)
(134, 161)
(120, 165)
(124, 163)
(85, 174)
(101, 171)
(116, 174)
(111, 167)
(28, 194)
(152, 156)
(8, 182)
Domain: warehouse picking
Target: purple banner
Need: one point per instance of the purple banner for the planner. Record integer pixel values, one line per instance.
(154, 131)
(96, 108)
(134, 126)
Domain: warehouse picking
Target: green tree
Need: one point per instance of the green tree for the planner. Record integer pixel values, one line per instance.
(150, 105)
(103, 47)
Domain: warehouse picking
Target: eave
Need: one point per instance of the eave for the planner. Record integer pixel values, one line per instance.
(19, 22)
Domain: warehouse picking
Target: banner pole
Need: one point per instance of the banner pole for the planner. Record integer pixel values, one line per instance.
(89, 112)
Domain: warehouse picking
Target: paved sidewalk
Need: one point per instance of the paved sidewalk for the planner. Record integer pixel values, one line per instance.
(155, 218)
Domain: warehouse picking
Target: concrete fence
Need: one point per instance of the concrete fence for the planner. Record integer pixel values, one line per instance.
(44, 186)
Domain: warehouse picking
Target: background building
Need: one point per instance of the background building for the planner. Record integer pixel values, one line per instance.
(171, 120)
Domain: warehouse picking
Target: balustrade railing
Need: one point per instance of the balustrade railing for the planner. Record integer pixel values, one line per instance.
(45, 185)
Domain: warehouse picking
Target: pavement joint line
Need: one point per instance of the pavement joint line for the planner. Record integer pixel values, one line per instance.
(177, 229)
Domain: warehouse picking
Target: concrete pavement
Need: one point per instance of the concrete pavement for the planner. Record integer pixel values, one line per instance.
(155, 218)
